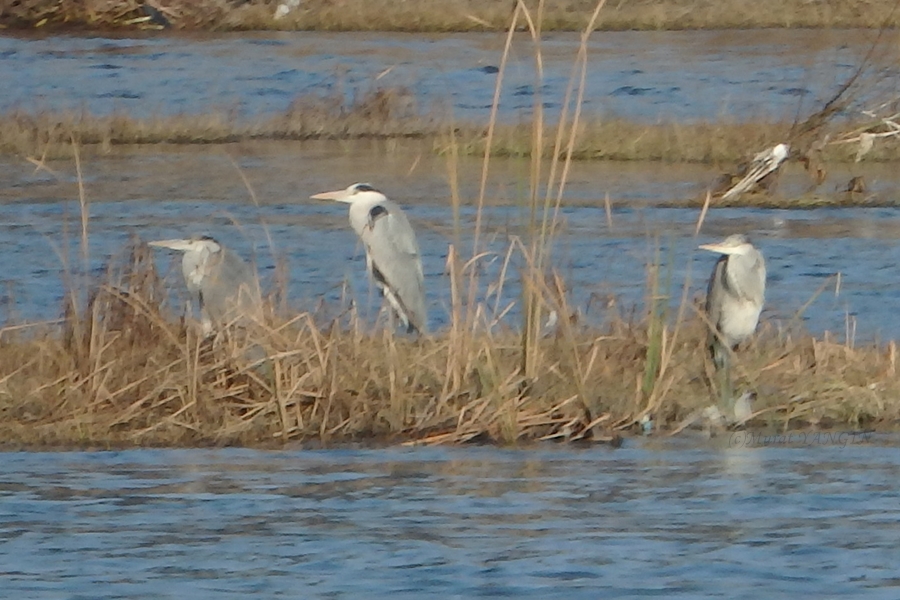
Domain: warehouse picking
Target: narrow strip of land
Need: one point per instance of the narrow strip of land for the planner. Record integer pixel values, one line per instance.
(441, 15)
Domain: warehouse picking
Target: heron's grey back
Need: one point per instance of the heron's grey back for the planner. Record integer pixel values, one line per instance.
(394, 251)
(230, 289)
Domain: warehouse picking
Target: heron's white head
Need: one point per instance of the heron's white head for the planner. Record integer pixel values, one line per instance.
(194, 244)
(197, 254)
(738, 244)
(356, 193)
(780, 152)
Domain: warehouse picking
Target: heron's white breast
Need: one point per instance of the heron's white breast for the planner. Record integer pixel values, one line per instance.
(359, 216)
(192, 268)
(739, 319)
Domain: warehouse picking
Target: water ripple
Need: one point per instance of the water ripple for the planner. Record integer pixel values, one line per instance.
(636, 75)
(670, 521)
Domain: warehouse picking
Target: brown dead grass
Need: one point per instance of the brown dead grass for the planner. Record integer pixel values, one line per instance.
(621, 140)
(392, 114)
(442, 15)
(376, 113)
(124, 371)
(573, 15)
(133, 14)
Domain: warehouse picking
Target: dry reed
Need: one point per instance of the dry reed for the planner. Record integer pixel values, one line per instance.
(124, 371)
(371, 113)
(391, 114)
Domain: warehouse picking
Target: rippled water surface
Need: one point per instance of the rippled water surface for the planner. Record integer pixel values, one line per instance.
(643, 521)
(638, 75)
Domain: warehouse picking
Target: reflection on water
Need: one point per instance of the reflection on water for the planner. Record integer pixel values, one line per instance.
(158, 195)
(637, 75)
(660, 520)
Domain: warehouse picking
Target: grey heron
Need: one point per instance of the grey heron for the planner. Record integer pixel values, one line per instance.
(224, 284)
(392, 253)
(734, 300)
(762, 165)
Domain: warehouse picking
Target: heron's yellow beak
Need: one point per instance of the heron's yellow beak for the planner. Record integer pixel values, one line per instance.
(719, 248)
(339, 196)
(180, 245)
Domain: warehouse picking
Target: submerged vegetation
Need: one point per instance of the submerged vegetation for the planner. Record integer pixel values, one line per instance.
(440, 15)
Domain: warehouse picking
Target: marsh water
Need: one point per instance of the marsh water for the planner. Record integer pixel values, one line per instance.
(635, 75)
(174, 191)
(157, 193)
(730, 518)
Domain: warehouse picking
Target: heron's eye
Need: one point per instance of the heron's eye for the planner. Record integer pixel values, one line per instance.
(376, 212)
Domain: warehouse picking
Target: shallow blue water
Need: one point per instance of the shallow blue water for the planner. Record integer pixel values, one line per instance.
(322, 255)
(669, 521)
(166, 195)
(637, 75)
(682, 75)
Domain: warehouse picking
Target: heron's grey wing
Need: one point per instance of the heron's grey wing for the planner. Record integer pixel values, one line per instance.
(394, 253)
(230, 289)
(746, 278)
(716, 293)
(757, 279)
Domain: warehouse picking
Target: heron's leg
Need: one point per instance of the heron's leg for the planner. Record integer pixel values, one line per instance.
(391, 315)
(726, 391)
(206, 325)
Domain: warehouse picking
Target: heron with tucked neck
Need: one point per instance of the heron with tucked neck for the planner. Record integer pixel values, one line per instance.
(224, 284)
(734, 301)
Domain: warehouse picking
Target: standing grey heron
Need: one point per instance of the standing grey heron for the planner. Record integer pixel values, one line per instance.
(392, 253)
(734, 300)
(225, 285)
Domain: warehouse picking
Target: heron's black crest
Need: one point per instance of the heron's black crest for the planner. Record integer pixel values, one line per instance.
(377, 211)
(364, 187)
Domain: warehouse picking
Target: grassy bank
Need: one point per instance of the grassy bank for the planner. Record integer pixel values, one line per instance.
(389, 114)
(124, 370)
(441, 15)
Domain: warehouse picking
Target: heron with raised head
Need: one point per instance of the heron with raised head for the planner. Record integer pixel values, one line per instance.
(224, 284)
(392, 253)
(734, 301)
